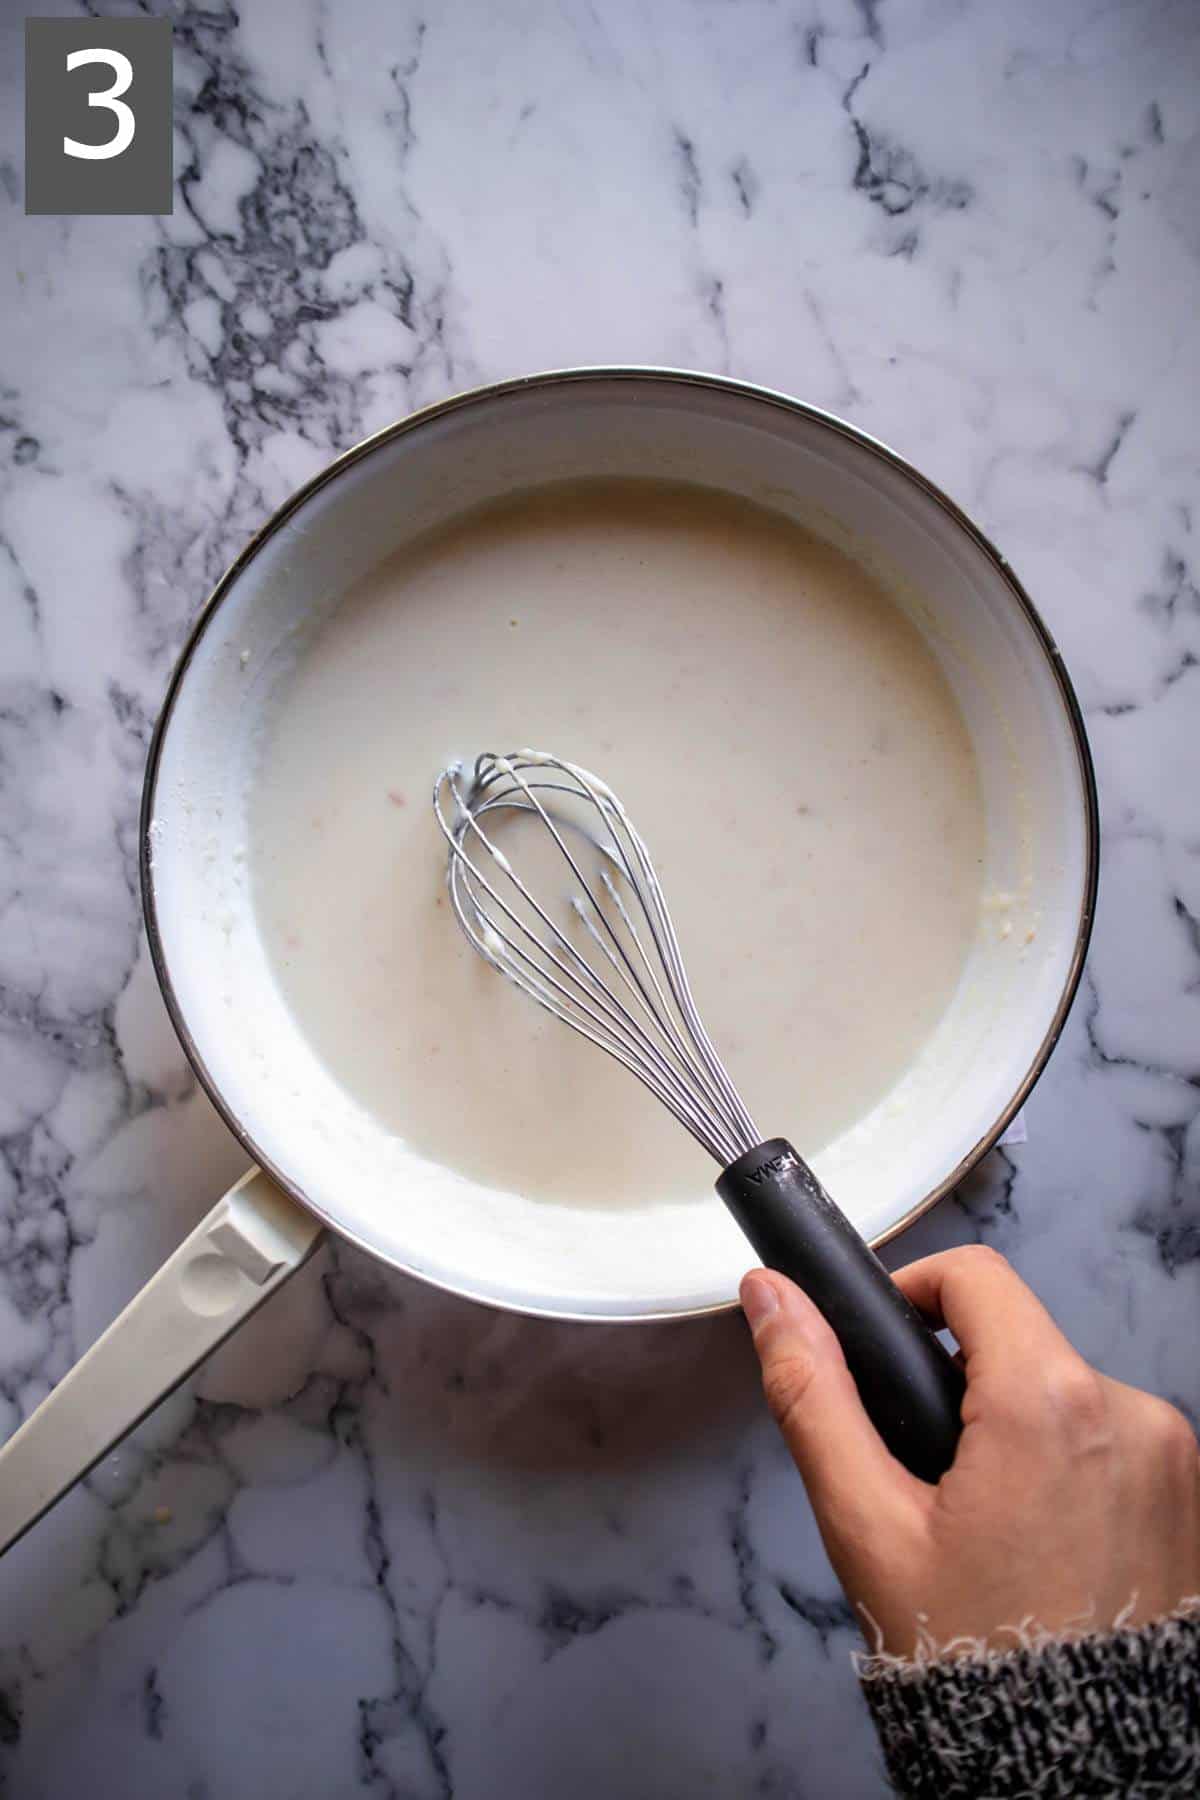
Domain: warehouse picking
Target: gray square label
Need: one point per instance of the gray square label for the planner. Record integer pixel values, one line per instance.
(98, 116)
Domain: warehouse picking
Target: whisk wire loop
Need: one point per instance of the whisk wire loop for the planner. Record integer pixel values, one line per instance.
(607, 1024)
(637, 1004)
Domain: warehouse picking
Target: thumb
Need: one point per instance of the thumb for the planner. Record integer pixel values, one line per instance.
(843, 1461)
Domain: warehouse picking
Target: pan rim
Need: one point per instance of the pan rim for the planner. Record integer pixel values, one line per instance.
(487, 394)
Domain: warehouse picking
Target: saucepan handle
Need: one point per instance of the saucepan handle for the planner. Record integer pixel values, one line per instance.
(911, 1386)
(249, 1244)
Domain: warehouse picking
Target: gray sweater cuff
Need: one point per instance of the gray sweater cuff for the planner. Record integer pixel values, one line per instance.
(1110, 1715)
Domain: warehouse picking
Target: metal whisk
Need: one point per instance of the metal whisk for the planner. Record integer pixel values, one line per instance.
(592, 941)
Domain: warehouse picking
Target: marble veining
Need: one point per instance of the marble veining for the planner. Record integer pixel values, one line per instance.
(386, 1542)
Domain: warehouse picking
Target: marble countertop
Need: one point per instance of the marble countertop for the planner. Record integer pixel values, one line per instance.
(387, 1541)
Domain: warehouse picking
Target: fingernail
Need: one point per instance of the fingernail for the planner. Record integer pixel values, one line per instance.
(759, 1301)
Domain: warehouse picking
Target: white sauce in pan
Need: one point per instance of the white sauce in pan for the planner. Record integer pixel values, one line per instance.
(781, 736)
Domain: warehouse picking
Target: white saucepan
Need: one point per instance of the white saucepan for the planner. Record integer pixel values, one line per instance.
(318, 1161)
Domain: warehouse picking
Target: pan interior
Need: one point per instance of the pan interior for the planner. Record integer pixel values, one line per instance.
(786, 743)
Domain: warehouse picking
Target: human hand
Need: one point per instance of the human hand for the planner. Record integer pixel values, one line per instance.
(1073, 1500)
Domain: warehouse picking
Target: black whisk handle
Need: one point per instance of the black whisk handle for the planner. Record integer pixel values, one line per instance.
(911, 1386)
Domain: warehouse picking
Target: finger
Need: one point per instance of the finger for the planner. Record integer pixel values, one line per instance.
(841, 1457)
(984, 1302)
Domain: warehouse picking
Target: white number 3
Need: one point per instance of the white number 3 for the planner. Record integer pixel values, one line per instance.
(122, 68)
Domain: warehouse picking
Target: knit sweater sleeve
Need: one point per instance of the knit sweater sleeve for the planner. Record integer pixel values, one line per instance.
(1104, 1715)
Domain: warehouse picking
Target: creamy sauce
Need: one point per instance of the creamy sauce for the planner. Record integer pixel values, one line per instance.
(782, 738)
